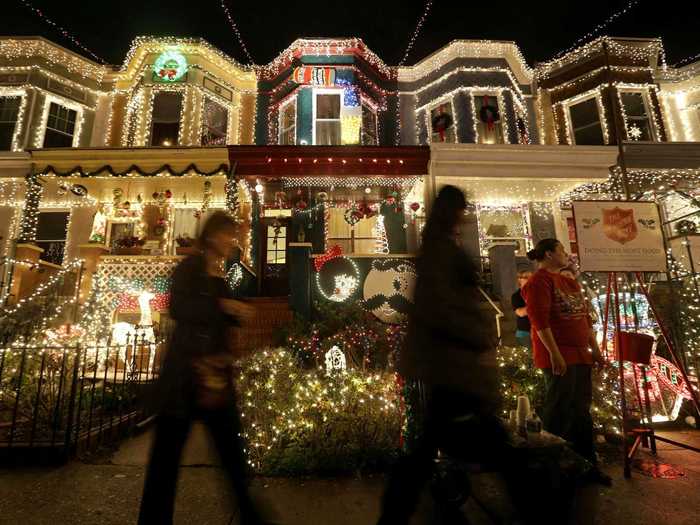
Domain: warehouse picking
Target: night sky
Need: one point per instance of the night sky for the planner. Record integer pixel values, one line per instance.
(108, 27)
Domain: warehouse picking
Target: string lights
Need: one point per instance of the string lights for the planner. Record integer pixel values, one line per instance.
(419, 26)
(61, 30)
(234, 26)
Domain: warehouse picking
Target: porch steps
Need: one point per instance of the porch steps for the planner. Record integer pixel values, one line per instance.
(271, 314)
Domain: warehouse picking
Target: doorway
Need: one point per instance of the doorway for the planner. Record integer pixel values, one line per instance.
(274, 237)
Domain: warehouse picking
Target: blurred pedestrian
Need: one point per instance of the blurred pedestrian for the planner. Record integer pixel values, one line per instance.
(196, 379)
(565, 348)
(522, 333)
(450, 349)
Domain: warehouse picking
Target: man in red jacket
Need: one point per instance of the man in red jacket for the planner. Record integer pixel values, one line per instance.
(565, 348)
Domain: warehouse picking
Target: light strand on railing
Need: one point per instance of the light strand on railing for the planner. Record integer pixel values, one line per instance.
(62, 30)
(588, 36)
(234, 26)
(419, 26)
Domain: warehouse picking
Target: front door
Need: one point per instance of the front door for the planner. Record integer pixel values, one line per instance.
(273, 255)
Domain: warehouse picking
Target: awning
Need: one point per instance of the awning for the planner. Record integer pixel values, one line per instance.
(338, 161)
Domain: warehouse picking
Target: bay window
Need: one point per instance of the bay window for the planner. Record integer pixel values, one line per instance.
(165, 123)
(9, 111)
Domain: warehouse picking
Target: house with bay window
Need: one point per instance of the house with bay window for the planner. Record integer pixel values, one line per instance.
(326, 154)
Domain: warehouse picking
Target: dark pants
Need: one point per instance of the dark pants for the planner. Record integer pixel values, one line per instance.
(171, 433)
(458, 426)
(567, 408)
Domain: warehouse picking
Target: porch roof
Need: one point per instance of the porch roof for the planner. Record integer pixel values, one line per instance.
(119, 162)
(304, 161)
(662, 155)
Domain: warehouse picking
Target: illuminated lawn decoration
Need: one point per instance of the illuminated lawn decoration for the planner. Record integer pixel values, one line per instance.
(345, 285)
(170, 66)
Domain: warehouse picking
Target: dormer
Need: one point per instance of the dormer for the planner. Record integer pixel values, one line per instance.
(582, 93)
(327, 92)
(181, 92)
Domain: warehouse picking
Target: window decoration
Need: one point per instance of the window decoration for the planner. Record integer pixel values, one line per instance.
(489, 125)
(315, 76)
(636, 116)
(442, 123)
(214, 123)
(170, 66)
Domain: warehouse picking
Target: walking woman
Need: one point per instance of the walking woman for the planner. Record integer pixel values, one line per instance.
(196, 376)
(451, 351)
(522, 333)
(565, 348)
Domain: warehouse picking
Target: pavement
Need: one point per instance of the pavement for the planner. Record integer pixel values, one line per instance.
(106, 490)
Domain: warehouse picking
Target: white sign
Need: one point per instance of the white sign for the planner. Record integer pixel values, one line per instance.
(618, 236)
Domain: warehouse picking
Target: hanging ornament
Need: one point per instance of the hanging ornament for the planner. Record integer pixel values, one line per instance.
(489, 114)
(302, 205)
(62, 189)
(168, 194)
(415, 206)
(322, 197)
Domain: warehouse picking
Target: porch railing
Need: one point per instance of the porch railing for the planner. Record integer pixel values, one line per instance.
(66, 398)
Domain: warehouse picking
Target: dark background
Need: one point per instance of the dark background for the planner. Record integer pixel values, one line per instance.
(541, 29)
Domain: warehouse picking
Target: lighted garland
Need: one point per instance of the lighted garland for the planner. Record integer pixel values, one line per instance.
(234, 276)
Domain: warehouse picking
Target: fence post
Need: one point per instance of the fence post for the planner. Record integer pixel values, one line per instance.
(71, 400)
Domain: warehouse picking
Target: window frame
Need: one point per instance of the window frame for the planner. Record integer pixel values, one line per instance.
(151, 121)
(68, 212)
(477, 121)
(73, 106)
(601, 115)
(203, 124)
(16, 131)
(281, 132)
(429, 117)
(644, 93)
(339, 120)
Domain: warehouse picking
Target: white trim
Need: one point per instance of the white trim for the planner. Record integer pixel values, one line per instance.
(40, 136)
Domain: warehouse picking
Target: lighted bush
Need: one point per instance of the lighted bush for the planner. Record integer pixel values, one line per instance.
(300, 421)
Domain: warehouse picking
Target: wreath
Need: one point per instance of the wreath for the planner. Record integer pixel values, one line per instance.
(441, 123)
(685, 227)
(489, 114)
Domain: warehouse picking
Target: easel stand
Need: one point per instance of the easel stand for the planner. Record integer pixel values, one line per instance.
(644, 436)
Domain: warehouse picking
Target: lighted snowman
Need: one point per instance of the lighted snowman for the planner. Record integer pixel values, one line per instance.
(388, 290)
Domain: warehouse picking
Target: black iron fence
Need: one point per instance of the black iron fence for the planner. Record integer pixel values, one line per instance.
(66, 398)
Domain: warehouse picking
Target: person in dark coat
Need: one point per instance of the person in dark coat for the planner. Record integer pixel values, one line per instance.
(196, 376)
(450, 350)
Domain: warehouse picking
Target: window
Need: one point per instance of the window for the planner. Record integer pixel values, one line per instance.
(51, 232)
(276, 245)
(214, 124)
(489, 125)
(288, 124)
(369, 126)
(328, 132)
(60, 127)
(635, 109)
(165, 128)
(442, 124)
(585, 123)
(9, 110)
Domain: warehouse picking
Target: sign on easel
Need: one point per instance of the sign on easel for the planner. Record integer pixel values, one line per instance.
(619, 236)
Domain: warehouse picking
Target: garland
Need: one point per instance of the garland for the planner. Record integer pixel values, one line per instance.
(166, 169)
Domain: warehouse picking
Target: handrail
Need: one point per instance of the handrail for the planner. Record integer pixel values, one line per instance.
(499, 314)
(248, 268)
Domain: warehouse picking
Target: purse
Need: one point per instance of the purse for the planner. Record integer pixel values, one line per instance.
(213, 381)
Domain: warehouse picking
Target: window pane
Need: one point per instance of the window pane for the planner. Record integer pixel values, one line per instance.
(167, 107)
(584, 113)
(288, 124)
(328, 106)
(585, 121)
(9, 110)
(369, 127)
(56, 139)
(51, 226)
(634, 104)
(215, 124)
(328, 133)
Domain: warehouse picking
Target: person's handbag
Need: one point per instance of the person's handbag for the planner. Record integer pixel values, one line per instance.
(213, 381)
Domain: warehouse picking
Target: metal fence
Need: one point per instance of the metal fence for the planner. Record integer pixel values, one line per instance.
(64, 399)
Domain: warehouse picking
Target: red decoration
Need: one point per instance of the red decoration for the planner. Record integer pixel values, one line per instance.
(334, 253)
(155, 195)
(415, 206)
(302, 205)
(168, 194)
(390, 201)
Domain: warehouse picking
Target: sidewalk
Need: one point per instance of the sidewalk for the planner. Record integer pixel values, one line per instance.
(108, 492)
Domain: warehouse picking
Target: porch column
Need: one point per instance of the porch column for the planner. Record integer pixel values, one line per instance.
(30, 216)
(300, 278)
(25, 273)
(503, 269)
(91, 254)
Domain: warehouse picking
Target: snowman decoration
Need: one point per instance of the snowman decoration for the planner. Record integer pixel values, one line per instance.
(388, 290)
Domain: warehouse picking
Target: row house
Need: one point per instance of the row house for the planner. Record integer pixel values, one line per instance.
(325, 151)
